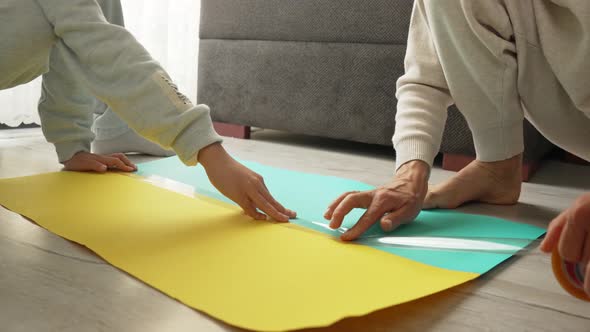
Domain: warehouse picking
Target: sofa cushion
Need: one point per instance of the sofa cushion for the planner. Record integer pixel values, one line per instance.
(352, 21)
(337, 90)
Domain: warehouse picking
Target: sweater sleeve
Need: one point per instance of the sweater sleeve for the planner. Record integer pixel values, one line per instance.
(116, 69)
(423, 96)
(65, 110)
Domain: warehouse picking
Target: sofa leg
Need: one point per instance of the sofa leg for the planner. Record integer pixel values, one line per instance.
(232, 130)
(456, 162)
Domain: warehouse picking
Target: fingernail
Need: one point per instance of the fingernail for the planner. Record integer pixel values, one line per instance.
(387, 225)
(326, 213)
(103, 167)
(345, 236)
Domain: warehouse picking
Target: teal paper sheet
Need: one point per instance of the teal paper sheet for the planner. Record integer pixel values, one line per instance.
(310, 194)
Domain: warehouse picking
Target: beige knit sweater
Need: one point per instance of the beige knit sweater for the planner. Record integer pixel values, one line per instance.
(499, 61)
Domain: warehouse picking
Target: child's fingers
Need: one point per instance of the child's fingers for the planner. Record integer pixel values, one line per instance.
(85, 165)
(115, 163)
(97, 166)
(266, 194)
(266, 207)
(292, 214)
(554, 232)
(92, 165)
(250, 210)
(124, 159)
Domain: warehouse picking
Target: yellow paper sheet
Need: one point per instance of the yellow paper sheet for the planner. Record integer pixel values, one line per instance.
(251, 274)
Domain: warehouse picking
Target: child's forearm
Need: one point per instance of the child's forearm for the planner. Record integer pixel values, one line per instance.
(65, 110)
(118, 70)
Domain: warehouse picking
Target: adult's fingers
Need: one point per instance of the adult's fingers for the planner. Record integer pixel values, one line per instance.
(335, 203)
(367, 220)
(431, 201)
(350, 202)
(395, 219)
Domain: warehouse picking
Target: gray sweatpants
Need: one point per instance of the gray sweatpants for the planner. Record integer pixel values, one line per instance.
(107, 124)
(80, 54)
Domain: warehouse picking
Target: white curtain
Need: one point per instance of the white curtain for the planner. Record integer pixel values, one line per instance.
(168, 29)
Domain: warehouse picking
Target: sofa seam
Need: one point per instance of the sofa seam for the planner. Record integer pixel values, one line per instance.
(305, 41)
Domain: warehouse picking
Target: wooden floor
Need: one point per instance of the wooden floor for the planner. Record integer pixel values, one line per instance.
(49, 284)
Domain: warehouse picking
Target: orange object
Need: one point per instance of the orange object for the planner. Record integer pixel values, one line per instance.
(569, 275)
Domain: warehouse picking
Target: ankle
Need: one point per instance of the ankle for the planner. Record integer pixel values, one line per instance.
(507, 178)
(506, 164)
(504, 169)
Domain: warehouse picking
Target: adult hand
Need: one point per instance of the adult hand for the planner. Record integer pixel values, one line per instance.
(241, 185)
(394, 204)
(570, 234)
(90, 162)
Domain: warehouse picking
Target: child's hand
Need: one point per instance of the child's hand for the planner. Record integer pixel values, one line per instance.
(241, 185)
(570, 233)
(90, 162)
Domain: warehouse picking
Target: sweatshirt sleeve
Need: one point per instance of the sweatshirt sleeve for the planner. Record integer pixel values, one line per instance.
(423, 96)
(116, 69)
(65, 110)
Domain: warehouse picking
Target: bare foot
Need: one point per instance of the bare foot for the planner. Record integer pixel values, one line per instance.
(488, 182)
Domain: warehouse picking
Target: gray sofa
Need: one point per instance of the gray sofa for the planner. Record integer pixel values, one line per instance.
(316, 67)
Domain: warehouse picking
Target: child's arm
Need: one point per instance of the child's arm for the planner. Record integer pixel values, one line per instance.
(108, 60)
(66, 112)
(240, 184)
